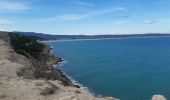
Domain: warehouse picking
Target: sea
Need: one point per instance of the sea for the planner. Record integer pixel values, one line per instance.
(127, 68)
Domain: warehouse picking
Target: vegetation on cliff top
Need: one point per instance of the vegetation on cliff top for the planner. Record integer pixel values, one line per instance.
(40, 59)
(25, 45)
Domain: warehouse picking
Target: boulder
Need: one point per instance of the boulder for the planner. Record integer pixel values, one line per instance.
(158, 97)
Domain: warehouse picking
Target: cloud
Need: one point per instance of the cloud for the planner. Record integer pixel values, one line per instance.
(13, 6)
(156, 21)
(120, 17)
(93, 13)
(164, 20)
(71, 17)
(119, 22)
(82, 3)
(6, 22)
(150, 22)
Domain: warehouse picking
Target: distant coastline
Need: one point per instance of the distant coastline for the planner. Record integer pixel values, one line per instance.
(62, 40)
(47, 37)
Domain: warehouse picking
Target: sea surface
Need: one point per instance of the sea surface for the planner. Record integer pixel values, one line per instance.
(128, 69)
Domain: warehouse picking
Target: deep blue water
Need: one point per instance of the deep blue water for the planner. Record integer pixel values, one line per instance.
(129, 69)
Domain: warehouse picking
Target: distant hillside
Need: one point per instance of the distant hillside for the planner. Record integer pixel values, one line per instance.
(66, 37)
(37, 35)
(4, 36)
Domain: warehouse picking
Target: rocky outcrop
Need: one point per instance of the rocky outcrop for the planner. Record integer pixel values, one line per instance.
(41, 61)
(44, 69)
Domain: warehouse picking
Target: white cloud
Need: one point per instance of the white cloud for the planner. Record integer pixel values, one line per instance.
(6, 22)
(119, 22)
(71, 17)
(121, 17)
(164, 20)
(156, 21)
(150, 21)
(92, 13)
(82, 3)
(14, 6)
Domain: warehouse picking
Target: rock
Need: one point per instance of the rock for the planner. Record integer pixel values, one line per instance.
(111, 98)
(2, 95)
(48, 89)
(158, 97)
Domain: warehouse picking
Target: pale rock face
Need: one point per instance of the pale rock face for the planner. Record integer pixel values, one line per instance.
(158, 97)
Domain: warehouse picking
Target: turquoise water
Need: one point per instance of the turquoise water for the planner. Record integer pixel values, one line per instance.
(128, 69)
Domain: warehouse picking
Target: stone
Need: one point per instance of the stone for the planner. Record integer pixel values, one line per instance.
(158, 97)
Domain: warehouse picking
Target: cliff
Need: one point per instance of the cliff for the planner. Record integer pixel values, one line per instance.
(40, 59)
(26, 76)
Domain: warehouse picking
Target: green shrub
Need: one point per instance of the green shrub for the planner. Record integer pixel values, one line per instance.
(25, 45)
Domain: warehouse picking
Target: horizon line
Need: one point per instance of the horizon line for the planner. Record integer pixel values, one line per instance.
(93, 34)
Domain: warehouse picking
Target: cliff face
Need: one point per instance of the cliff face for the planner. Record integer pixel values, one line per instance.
(29, 78)
(40, 60)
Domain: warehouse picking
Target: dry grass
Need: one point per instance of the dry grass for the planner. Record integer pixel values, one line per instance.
(51, 89)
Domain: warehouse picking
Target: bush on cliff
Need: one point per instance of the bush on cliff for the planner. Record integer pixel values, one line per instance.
(25, 45)
(40, 59)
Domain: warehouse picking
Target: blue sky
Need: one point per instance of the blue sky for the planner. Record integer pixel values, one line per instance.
(86, 16)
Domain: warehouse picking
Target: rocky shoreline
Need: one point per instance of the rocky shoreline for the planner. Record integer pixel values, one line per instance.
(41, 66)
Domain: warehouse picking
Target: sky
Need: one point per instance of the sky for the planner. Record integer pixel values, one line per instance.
(88, 17)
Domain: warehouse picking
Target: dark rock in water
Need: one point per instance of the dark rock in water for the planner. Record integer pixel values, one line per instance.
(60, 59)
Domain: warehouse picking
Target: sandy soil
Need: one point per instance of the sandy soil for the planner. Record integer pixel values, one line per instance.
(13, 87)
